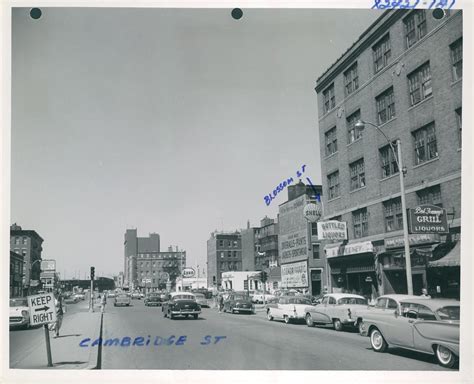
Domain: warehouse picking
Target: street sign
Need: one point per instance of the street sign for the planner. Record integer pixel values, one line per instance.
(48, 265)
(42, 309)
(47, 275)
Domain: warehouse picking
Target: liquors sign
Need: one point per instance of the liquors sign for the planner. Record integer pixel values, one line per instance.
(332, 230)
(428, 219)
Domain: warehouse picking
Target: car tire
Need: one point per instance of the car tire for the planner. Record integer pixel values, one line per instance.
(337, 325)
(377, 341)
(195, 317)
(445, 357)
(165, 314)
(360, 327)
(286, 319)
(309, 320)
(115, 305)
(269, 316)
(171, 316)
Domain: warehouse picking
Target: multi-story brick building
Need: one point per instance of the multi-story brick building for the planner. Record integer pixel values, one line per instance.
(267, 244)
(28, 244)
(224, 253)
(301, 257)
(145, 266)
(403, 74)
(16, 274)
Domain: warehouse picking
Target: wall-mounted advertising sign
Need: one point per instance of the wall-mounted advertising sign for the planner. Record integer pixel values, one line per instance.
(293, 237)
(312, 212)
(294, 275)
(48, 265)
(349, 249)
(427, 219)
(399, 241)
(188, 272)
(332, 230)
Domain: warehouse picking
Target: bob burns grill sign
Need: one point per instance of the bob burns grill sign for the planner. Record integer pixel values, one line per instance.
(428, 219)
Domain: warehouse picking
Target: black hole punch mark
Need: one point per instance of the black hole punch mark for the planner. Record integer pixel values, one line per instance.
(237, 13)
(438, 13)
(35, 13)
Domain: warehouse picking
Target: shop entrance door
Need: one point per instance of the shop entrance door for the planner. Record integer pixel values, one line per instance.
(316, 282)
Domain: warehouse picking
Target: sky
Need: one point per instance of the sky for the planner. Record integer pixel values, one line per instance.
(174, 121)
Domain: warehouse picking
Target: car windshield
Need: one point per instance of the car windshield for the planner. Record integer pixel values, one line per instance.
(449, 313)
(183, 297)
(199, 296)
(18, 302)
(122, 295)
(240, 297)
(352, 300)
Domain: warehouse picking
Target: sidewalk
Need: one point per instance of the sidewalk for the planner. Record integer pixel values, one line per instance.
(65, 350)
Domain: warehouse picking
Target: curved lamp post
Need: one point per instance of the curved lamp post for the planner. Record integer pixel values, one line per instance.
(398, 159)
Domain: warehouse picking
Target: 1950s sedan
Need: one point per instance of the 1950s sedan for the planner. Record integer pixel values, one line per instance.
(181, 304)
(427, 326)
(337, 309)
(288, 309)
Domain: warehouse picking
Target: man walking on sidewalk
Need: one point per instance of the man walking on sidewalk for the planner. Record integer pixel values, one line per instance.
(103, 303)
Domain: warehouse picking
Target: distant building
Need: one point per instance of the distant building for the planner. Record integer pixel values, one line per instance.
(16, 275)
(28, 244)
(249, 250)
(119, 280)
(224, 253)
(404, 75)
(267, 245)
(100, 283)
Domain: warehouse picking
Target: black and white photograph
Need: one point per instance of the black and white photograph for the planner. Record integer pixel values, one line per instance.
(254, 190)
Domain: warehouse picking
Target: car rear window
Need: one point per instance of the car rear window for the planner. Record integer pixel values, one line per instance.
(449, 313)
(352, 300)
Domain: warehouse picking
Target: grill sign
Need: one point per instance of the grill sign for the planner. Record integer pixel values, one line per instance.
(428, 219)
(188, 272)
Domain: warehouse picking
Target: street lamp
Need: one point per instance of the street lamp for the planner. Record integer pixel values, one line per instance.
(398, 159)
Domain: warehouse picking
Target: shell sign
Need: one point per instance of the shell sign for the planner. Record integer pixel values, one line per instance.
(312, 212)
(188, 272)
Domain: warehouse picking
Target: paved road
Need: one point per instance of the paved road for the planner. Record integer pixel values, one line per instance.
(251, 342)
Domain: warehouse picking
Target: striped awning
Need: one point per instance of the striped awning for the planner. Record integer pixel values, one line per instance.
(452, 259)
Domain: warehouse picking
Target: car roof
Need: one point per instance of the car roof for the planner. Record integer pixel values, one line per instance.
(399, 296)
(341, 295)
(433, 304)
(173, 294)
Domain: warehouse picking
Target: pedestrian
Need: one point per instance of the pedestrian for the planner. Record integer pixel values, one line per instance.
(56, 326)
(103, 302)
(424, 293)
(221, 303)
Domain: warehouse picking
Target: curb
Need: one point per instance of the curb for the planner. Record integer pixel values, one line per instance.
(95, 354)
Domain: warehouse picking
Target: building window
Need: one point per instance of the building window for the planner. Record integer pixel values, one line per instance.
(329, 98)
(351, 79)
(388, 160)
(23, 252)
(361, 225)
(229, 253)
(382, 53)
(459, 123)
(431, 195)
(333, 185)
(456, 59)
(25, 240)
(393, 215)
(415, 27)
(331, 141)
(352, 132)
(357, 170)
(221, 243)
(316, 251)
(425, 144)
(222, 255)
(314, 229)
(17, 240)
(385, 106)
(235, 243)
(419, 82)
(235, 253)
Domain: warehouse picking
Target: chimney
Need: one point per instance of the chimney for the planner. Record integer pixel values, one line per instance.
(248, 224)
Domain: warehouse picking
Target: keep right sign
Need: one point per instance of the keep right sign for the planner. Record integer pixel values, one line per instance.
(42, 309)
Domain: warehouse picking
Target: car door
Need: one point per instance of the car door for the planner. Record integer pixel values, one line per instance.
(426, 328)
(279, 308)
(400, 326)
(319, 312)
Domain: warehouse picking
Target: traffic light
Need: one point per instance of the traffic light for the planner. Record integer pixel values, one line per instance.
(263, 276)
(92, 273)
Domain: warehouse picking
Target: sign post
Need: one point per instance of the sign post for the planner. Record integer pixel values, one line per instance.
(42, 312)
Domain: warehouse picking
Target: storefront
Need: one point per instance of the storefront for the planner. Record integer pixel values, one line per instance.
(392, 262)
(352, 268)
(444, 274)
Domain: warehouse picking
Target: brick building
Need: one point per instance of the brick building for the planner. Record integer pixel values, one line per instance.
(16, 275)
(224, 253)
(28, 244)
(404, 74)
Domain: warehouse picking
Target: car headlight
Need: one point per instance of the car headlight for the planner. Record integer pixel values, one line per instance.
(24, 313)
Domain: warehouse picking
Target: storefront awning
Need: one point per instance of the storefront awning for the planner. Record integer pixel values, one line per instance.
(452, 259)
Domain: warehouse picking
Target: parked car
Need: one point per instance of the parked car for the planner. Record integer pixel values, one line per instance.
(70, 299)
(122, 299)
(136, 295)
(80, 296)
(238, 302)
(338, 309)
(19, 312)
(427, 326)
(153, 298)
(181, 304)
(385, 304)
(259, 297)
(111, 295)
(288, 309)
(201, 299)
